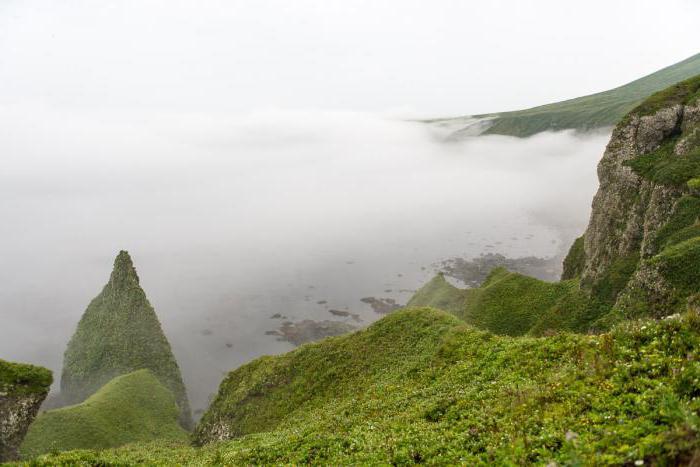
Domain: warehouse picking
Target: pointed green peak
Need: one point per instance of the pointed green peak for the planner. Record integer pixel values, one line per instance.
(124, 273)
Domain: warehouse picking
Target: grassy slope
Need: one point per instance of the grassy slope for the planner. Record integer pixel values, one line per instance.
(120, 333)
(509, 303)
(593, 111)
(20, 378)
(133, 407)
(430, 389)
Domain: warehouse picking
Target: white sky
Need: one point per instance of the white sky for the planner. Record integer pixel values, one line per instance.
(437, 57)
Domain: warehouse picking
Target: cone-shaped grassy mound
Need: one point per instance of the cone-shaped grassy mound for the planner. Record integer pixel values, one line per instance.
(118, 334)
(132, 407)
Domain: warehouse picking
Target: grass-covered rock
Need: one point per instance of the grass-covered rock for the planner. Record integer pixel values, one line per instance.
(22, 390)
(420, 386)
(130, 408)
(511, 303)
(118, 334)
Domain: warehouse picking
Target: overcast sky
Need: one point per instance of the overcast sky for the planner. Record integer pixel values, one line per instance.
(437, 57)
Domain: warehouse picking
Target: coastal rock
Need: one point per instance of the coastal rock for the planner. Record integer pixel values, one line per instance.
(22, 390)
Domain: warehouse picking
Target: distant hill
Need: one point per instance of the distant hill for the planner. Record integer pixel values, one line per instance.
(132, 407)
(120, 333)
(604, 109)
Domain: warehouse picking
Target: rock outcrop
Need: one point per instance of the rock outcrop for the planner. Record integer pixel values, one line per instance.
(120, 333)
(22, 390)
(645, 206)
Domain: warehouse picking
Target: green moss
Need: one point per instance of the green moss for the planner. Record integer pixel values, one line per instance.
(438, 392)
(606, 290)
(120, 333)
(511, 303)
(133, 407)
(680, 265)
(694, 183)
(575, 260)
(682, 225)
(19, 378)
(440, 294)
(666, 168)
(685, 92)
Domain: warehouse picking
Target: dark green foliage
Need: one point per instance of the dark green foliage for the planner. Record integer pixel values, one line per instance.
(575, 260)
(118, 334)
(607, 288)
(440, 294)
(20, 378)
(439, 392)
(685, 92)
(666, 168)
(682, 225)
(133, 407)
(511, 303)
(602, 109)
(680, 266)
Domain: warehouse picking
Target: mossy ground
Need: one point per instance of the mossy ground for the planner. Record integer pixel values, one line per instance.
(434, 390)
(133, 407)
(511, 303)
(20, 378)
(575, 260)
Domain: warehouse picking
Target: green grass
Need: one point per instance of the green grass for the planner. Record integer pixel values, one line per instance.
(575, 260)
(682, 225)
(120, 333)
(132, 407)
(440, 294)
(683, 92)
(419, 386)
(666, 168)
(20, 378)
(510, 303)
(604, 109)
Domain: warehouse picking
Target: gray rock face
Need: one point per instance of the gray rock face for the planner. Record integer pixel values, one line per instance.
(16, 414)
(22, 390)
(629, 210)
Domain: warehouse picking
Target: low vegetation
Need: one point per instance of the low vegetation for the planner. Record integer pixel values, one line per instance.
(133, 407)
(19, 378)
(434, 390)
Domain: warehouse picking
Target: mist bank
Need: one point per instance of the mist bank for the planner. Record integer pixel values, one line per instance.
(233, 218)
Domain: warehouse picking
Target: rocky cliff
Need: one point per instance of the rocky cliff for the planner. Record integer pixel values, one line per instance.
(118, 334)
(22, 390)
(641, 243)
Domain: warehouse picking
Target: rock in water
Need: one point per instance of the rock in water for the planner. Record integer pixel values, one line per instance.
(118, 334)
(22, 390)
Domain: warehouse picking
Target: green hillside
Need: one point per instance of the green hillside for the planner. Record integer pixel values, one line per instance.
(120, 333)
(133, 407)
(603, 109)
(510, 303)
(419, 386)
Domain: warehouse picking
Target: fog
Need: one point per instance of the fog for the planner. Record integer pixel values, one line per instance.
(230, 219)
